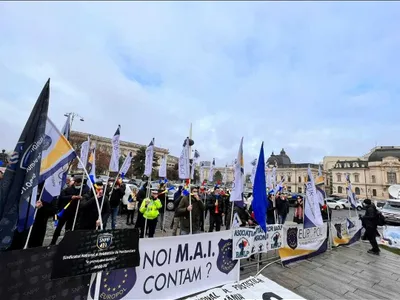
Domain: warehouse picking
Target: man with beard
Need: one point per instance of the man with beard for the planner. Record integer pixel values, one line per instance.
(71, 196)
(216, 206)
(196, 208)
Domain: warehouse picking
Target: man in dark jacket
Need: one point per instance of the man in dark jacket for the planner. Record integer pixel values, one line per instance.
(70, 195)
(282, 207)
(270, 211)
(184, 209)
(216, 206)
(163, 197)
(115, 195)
(370, 222)
(88, 210)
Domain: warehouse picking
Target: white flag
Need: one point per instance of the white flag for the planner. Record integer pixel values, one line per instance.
(92, 165)
(312, 211)
(148, 164)
(127, 164)
(114, 161)
(238, 181)
(211, 173)
(184, 163)
(194, 163)
(162, 171)
(84, 153)
(253, 171)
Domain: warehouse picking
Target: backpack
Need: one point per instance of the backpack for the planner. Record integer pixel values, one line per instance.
(380, 219)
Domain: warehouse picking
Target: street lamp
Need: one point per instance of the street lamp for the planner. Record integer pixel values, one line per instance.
(72, 115)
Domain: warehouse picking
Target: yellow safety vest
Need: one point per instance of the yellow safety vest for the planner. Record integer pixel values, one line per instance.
(151, 211)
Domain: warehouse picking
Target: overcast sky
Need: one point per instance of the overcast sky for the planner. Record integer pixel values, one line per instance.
(314, 78)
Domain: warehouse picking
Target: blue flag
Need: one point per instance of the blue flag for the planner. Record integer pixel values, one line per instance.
(260, 203)
(23, 172)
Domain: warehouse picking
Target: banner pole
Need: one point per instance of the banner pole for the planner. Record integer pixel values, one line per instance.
(79, 203)
(147, 196)
(190, 181)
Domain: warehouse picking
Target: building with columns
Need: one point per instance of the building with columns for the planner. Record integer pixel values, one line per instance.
(207, 166)
(104, 144)
(371, 174)
(294, 173)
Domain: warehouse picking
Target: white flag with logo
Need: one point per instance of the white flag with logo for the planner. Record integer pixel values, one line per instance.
(194, 163)
(184, 163)
(127, 164)
(162, 171)
(312, 210)
(238, 181)
(114, 161)
(84, 153)
(253, 171)
(148, 164)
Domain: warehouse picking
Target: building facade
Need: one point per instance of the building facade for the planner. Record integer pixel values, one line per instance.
(206, 170)
(294, 173)
(370, 175)
(104, 144)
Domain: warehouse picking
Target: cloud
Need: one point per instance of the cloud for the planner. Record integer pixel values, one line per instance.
(314, 78)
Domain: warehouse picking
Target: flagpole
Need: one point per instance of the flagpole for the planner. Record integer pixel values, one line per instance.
(190, 193)
(165, 206)
(148, 188)
(34, 217)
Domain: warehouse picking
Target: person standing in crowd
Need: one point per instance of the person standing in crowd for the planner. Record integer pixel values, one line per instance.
(176, 220)
(184, 209)
(141, 195)
(216, 207)
(163, 197)
(270, 211)
(203, 198)
(282, 207)
(115, 195)
(70, 195)
(131, 207)
(370, 222)
(88, 210)
(228, 209)
(150, 209)
(45, 211)
(298, 213)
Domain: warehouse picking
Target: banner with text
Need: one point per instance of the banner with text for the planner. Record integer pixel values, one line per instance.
(345, 231)
(391, 237)
(259, 287)
(248, 241)
(173, 267)
(301, 243)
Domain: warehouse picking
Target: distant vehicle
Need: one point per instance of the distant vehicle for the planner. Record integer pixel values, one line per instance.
(391, 211)
(333, 204)
(346, 204)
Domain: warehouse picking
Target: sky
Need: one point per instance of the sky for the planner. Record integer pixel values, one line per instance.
(314, 78)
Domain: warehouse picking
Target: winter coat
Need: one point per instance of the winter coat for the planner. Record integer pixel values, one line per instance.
(184, 214)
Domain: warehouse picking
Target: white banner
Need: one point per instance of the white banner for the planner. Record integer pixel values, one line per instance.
(248, 241)
(391, 237)
(345, 231)
(148, 163)
(162, 171)
(184, 163)
(301, 243)
(127, 164)
(259, 287)
(173, 267)
(114, 161)
(84, 154)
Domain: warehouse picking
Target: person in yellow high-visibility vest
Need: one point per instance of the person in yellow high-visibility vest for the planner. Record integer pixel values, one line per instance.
(150, 209)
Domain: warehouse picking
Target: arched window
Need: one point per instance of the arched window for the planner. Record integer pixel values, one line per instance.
(340, 190)
(357, 191)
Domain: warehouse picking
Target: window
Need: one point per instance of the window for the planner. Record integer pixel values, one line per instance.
(355, 165)
(300, 190)
(374, 192)
(289, 189)
(339, 177)
(357, 190)
(340, 189)
(356, 178)
(391, 176)
(346, 165)
(289, 179)
(373, 179)
(299, 178)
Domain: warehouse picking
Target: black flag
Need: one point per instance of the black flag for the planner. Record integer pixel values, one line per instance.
(22, 173)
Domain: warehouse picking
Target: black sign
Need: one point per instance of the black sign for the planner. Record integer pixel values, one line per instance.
(85, 252)
(25, 274)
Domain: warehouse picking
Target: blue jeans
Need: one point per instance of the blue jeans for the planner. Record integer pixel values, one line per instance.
(114, 214)
(282, 219)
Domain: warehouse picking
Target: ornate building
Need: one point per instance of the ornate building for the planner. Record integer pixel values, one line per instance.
(370, 175)
(206, 168)
(104, 144)
(294, 173)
